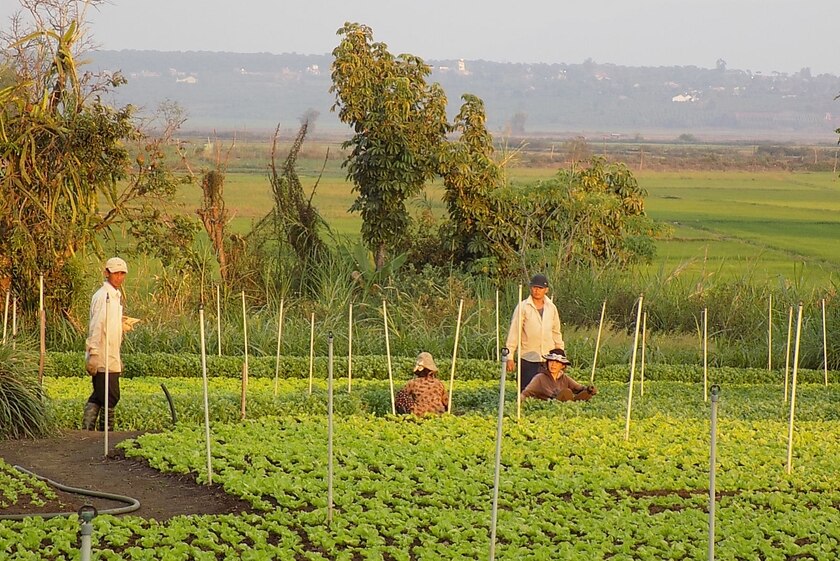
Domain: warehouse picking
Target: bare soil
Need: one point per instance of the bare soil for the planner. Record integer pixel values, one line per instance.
(77, 459)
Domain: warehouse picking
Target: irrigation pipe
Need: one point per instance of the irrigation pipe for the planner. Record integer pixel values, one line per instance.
(133, 504)
(168, 396)
(244, 364)
(279, 339)
(498, 342)
(206, 397)
(498, 461)
(633, 369)
(455, 353)
(644, 343)
(597, 342)
(42, 319)
(330, 432)
(793, 390)
(219, 317)
(388, 355)
(311, 349)
(712, 469)
(770, 333)
(787, 350)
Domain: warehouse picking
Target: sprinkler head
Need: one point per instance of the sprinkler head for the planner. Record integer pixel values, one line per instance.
(715, 389)
(87, 512)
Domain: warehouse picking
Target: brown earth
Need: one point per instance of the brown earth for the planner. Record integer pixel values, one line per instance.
(77, 459)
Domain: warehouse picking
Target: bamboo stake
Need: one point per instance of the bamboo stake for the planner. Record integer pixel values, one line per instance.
(633, 369)
(206, 396)
(787, 350)
(311, 349)
(498, 460)
(705, 354)
(498, 341)
(330, 430)
(14, 320)
(455, 353)
(42, 320)
(279, 339)
(825, 344)
(6, 316)
(388, 354)
(644, 343)
(244, 364)
(519, 387)
(350, 348)
(793, 390)
(219, 317)
(107, 368)
(770, 333)
(597, 342)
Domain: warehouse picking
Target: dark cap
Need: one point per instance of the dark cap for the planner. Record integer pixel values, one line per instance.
(539, 280)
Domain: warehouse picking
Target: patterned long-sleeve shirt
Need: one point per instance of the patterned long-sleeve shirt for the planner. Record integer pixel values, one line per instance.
(421, 395)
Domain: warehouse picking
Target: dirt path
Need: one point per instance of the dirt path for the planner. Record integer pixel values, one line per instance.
(76, 459)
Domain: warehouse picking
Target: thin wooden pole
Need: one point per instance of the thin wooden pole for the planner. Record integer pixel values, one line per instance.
(14, 321)
(644, 344)
(279, 339)
(793, 390)
(107, 368)
(350, 348)
(498, 459)
(206, 397)
(219, 317)
(825, 344)
(498, 340)
(519, 387)
(244, 364)
(330, 430)
(6, 316)
(705, 354)
(787, 351)
(770, 333)
(388, 355)
(597, 342)
(455, 352)
(633, 369)
(42, 321)
(311, 350)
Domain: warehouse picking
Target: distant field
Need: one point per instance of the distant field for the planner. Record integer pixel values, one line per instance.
(763, 225)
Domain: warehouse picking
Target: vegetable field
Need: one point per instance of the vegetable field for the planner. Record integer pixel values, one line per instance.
(571, 485)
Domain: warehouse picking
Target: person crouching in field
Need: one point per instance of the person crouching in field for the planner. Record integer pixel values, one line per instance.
(425, 393)
(553, 383)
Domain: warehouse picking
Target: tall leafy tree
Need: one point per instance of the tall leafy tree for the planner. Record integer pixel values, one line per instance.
(399, 123)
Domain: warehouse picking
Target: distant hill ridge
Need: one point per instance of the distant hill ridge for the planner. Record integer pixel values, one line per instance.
(254, 92)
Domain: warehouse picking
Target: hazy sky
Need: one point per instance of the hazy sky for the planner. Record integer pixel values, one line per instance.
(759, 35)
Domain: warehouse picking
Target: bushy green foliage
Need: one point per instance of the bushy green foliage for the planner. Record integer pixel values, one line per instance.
(23, 411)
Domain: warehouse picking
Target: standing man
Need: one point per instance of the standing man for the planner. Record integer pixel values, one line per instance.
(535, 327)
(96, 354)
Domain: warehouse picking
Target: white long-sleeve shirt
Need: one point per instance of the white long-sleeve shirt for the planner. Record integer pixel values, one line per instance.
(540, 333)
(95, 343)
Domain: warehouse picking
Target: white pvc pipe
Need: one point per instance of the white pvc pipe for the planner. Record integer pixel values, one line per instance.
(498, 341)
(311, 349)
(498, 461)
(519, 387)
(350, 348)
(279, 339)
(793, 389)
(245, 364)
(330, 430)
(455, 353)
(705, 354)
(825, 344)
(388, 355)
(206, 397)
(787, 351)
(633, 369)
(598, 342)
(107, 368)
(712, 472)
(644, 343)
(219, 317)
(770, 333)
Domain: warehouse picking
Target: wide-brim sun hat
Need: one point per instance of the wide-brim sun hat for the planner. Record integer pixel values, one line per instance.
(425, 360)
(558, 355)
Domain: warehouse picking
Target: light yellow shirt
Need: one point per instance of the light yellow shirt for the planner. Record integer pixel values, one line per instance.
(95, 343)
(540, 333)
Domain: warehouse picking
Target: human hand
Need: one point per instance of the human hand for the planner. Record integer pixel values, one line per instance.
(128, 323)
(592, 390)
(511, 365)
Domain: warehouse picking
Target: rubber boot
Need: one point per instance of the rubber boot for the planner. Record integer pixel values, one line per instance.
(110, 420)
(89, 418)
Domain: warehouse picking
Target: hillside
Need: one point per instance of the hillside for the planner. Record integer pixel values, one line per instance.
(255, 92)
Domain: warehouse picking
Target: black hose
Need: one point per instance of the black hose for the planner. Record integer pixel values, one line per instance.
(171, 405)
(133, 504)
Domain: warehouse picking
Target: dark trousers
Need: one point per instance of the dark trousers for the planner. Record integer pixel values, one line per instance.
(98, 395)
(529, 370)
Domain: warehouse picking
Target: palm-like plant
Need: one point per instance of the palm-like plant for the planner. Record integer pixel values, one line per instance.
(23, 411)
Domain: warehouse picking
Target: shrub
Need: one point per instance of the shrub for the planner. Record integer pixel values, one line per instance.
(23, 413)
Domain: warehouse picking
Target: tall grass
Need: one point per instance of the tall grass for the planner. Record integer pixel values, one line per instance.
(22, 401)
